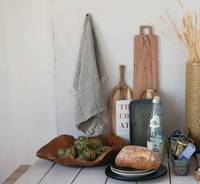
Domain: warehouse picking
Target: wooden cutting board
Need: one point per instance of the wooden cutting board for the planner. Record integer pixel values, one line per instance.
(120, 92)
(145, 63)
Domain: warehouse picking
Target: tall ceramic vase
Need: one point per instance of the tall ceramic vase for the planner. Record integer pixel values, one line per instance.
(192, 102)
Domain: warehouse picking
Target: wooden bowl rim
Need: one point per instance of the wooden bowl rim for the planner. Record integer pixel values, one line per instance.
(99, 159)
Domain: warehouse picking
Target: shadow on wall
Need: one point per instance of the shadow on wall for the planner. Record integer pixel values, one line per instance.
(172, 116)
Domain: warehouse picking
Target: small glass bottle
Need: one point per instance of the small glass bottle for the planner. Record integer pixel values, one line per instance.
(156, 131)
(162, 116)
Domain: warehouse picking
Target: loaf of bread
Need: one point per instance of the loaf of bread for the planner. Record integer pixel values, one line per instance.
(137, 157)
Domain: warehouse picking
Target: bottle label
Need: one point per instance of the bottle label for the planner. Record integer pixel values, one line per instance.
(155, 122)
(156, 147)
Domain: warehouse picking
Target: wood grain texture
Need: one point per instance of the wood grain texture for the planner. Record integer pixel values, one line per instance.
(57, 174)
(114, 181)
(91, 175)
(149, 94)
(36, 172)
(61, 174)
(196, 174)
(16, 174)
(49, 151)
(145, 63)
(120, 92)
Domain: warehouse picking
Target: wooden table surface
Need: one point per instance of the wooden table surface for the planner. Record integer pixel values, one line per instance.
(46, 172)
(16, 174)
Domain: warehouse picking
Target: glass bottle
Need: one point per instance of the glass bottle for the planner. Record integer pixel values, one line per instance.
(156, 131)
(162, 116)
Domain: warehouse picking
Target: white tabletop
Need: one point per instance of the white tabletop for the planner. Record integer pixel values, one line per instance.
(46, 172)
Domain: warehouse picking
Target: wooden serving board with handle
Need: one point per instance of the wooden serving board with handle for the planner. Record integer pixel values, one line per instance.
(145, 63)
(120, 92)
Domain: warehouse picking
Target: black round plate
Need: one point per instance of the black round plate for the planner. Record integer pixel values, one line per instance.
(162, 170)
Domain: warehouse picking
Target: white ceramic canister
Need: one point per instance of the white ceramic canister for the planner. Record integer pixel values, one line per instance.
(122, 120)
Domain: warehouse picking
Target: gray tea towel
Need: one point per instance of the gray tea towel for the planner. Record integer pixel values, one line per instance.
(87, 82)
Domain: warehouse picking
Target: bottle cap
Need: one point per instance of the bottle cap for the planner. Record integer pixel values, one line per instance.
(155, 100)
(157, 97)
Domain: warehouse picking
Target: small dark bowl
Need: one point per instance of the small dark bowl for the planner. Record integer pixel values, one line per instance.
(49, 151)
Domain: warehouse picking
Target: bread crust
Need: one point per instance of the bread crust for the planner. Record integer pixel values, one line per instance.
(137, 157)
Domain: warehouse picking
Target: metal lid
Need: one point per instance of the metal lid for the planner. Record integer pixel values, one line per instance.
(183, 142)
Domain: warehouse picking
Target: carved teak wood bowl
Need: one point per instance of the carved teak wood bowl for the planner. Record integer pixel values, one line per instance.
(49, 151)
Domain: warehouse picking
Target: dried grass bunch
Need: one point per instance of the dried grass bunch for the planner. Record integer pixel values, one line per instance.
(188, 34)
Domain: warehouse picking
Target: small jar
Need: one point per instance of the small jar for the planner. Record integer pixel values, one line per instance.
(180, 146)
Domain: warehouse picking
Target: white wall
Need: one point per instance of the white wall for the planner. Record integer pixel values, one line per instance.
(27, 83)
(117, 22)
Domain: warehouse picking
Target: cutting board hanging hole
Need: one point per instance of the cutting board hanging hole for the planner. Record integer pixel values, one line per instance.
(146, 30)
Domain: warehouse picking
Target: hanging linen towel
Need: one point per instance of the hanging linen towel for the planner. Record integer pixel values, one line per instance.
(87, 82)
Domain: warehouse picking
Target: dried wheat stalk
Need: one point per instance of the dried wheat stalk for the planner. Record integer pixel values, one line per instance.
(188, 34)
